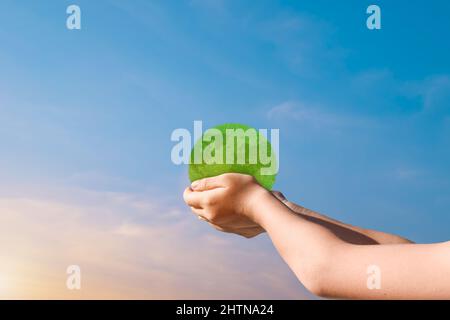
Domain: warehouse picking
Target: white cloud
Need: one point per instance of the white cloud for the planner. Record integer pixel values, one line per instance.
(129, 246)
(369, 79)
(312, 116)
(436, 93)
(406, 173)
(304, 42)
(299, 112)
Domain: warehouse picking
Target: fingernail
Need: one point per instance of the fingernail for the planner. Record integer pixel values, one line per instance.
(194, 184)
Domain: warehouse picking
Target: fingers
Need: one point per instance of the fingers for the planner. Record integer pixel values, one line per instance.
(245, 232)
(220, 181)
(200, 200)
(208, 183)
(200, 214)
(203, 215)
(192, 198)
(252, 232)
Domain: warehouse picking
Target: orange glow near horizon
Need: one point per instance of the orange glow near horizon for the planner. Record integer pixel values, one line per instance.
(129, 247)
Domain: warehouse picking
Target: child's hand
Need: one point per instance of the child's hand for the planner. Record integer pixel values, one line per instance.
(226, 202)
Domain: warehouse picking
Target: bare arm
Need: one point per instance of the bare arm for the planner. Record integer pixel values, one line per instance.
(322, 260)
(331, 267)
(346, 232)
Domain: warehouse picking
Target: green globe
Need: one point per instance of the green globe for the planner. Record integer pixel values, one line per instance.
(233, 148)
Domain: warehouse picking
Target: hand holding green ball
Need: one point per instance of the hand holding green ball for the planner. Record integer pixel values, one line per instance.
(233, 148)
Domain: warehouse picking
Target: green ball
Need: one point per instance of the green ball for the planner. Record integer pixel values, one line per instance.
(226, 153)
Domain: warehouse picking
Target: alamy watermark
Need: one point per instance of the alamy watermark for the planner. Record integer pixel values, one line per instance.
(73, 21)
(73, 281)
(235, 146)
(373, 22)
(374, 277)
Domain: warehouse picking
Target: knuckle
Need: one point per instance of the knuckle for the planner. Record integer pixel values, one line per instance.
(201, 184)
(205, 184)
(209, 201)
(249, 178)
(185, 195)
(206, 202)
(226, 177)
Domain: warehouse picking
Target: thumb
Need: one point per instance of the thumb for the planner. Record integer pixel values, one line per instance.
(206, 184)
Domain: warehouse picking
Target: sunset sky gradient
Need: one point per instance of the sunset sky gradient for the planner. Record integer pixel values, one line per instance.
(86, 118)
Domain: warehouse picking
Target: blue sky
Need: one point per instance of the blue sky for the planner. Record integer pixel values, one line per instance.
(364, 116)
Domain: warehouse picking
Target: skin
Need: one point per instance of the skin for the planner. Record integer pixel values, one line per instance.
(329, 257)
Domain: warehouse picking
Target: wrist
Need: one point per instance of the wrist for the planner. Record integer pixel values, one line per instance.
(258, 199)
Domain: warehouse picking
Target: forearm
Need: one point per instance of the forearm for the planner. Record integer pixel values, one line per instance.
(347, 232)
(302, 244)
(329, 266)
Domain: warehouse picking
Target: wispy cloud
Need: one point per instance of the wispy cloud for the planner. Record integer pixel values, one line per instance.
(434, 92)
(218, 6)
(129, 246)
(406, 173)
(304, 42)
(313, 116)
